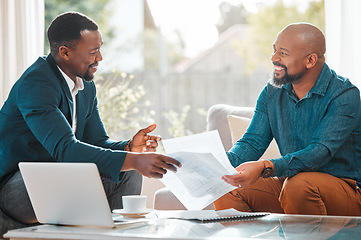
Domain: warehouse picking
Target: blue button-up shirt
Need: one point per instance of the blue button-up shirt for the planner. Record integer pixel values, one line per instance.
(319, 133)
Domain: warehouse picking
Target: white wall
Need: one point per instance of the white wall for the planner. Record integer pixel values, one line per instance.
(343, 38)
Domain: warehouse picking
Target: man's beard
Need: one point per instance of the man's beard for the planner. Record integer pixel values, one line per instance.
(286, 78)
(87, 77)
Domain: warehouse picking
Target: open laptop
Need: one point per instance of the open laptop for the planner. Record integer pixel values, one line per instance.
(69, 194)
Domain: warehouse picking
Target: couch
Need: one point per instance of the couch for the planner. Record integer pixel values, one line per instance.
(231, 123)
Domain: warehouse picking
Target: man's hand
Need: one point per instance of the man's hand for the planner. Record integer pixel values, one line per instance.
(153, 165)
(142, 142)
(248, 173)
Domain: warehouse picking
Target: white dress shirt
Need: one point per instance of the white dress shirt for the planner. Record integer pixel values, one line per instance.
(74, 87)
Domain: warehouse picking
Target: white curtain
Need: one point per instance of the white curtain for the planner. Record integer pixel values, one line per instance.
(21, 41)
(343, 38)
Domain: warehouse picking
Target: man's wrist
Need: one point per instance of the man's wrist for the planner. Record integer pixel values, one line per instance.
(128, 147)
(268, 169)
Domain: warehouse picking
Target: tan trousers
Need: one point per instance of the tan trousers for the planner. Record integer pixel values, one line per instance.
(311, 193)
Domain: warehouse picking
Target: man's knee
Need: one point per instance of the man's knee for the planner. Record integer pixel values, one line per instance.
(300, 194)
(234, 200)
(295, 187)
(15, 202)
(131, 181)
(262, 196)
(131, 176)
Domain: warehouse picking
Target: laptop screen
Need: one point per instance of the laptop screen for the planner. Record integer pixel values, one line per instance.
(67, 193)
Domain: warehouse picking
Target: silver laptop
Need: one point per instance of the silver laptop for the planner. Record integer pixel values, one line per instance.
(67, 194)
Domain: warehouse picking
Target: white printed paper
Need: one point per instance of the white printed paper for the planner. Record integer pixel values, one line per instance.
(207, 142)
(198, 182)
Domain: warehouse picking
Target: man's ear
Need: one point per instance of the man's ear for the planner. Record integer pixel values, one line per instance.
(64, 52)
(311, 60)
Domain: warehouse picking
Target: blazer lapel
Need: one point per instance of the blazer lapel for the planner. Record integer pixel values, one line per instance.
(81, 113)
(63, 85)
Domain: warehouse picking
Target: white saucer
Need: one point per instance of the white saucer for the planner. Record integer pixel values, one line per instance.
(133, 215)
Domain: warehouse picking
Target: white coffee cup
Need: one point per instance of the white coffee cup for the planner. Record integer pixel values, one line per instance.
(134, 203)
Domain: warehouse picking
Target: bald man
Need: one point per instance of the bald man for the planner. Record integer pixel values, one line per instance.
(314, 116)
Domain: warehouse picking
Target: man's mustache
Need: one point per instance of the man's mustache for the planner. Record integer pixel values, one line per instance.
(93, 64)
(279, 64)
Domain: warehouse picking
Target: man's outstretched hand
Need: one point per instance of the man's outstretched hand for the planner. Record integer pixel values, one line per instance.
(153, 165)
(142, 142)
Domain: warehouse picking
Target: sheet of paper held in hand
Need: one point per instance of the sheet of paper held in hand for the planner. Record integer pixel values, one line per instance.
(204, 161)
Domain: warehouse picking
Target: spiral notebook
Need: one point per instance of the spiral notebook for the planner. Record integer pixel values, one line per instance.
(211, 215)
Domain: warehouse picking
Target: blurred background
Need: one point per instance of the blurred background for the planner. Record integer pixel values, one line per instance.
(168, 61)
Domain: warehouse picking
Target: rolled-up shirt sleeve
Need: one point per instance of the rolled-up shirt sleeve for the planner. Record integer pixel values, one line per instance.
(257, 137)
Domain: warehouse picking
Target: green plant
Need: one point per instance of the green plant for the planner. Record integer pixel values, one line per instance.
(120, 104)
(177, 121)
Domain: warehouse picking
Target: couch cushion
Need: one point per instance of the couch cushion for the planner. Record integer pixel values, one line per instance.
(238, 126)
(164, 199)
(217, 120)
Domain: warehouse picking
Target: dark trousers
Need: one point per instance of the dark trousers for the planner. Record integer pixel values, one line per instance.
(15, 202)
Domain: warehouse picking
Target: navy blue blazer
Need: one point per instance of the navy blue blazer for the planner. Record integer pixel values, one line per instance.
(36, 119)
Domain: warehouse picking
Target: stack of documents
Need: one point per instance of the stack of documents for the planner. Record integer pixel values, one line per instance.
(198, 182)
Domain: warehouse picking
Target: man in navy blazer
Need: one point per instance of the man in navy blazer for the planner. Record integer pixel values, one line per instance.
(51, 115)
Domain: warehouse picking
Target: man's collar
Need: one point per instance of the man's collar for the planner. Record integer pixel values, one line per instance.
(321, 85)
(322, 82)
(74, 87)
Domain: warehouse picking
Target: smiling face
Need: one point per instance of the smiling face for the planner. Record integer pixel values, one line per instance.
(289, 58)
(84, 56)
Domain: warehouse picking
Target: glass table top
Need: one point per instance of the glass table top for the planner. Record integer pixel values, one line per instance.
(274, 226)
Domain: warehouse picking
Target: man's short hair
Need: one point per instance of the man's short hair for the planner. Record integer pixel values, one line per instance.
(65, 29)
